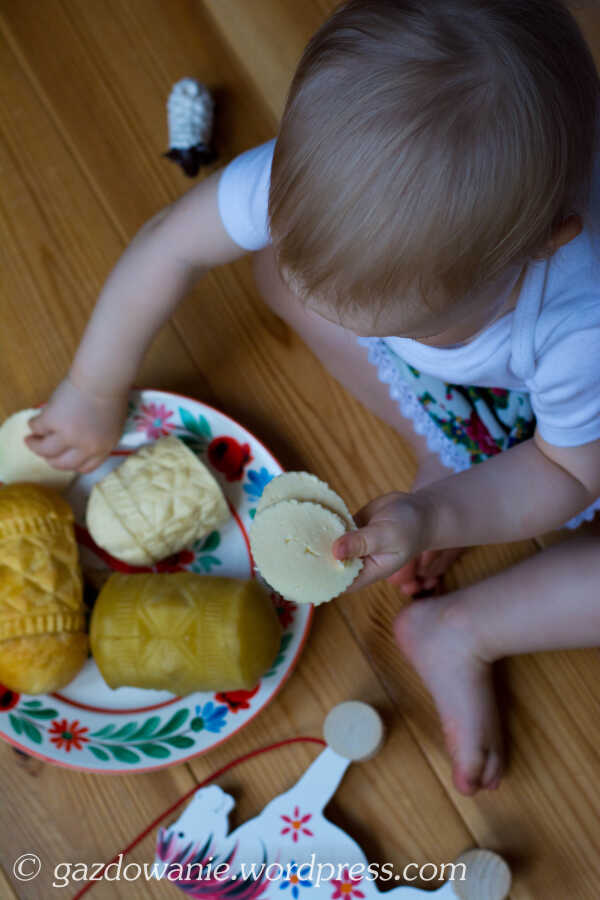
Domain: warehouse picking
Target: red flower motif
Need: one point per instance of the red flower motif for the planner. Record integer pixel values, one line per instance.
(69, 735)
(478, 433)
(174, 563)
(499, 392)
(345, 887)
(236, 700)
(296, 825)
(8, 698)
(285, 609)
(153, 420)
(229, 457)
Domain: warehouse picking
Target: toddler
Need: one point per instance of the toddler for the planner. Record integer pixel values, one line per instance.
(425, 219)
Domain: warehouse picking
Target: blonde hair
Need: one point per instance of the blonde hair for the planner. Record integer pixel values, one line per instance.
(430, 143)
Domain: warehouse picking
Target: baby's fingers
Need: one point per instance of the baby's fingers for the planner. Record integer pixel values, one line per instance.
(377, 538)
(367, 512)
(70, 459)
(372, 570)
(378, 545)
(48, 445)
(38, 424)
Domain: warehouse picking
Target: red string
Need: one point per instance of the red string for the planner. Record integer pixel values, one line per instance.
(174, 806)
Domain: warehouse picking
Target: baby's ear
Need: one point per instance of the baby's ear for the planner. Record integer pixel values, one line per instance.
(568, 229)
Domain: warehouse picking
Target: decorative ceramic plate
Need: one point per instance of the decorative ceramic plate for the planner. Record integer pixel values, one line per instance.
(89, 726)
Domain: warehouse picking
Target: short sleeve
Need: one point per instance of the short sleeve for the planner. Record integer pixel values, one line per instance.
(565, 390)
(243, 197)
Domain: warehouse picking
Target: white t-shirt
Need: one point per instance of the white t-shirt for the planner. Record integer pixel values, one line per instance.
(548, 346)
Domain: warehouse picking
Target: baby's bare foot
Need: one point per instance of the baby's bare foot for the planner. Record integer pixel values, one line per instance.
(439, 643)
(425, 572)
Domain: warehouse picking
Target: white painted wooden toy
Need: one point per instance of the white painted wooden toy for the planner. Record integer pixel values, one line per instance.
(190, 109)
(290, 850)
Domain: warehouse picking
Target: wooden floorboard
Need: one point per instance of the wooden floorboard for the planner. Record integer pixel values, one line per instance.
(83, 86)
(6, 889)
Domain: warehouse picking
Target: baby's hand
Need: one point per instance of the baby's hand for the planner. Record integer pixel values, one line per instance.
(77, 428)
(391, 532)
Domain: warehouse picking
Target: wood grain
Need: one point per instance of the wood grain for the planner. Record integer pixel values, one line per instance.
(57, 245)
(5, 888)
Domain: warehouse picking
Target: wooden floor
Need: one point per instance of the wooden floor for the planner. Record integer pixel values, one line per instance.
(83, 85)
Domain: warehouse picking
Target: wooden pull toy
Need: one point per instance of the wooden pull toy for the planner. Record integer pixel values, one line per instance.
(290, 850)
(354, 730)
(488, 876)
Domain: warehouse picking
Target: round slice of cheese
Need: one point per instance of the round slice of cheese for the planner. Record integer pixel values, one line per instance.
(291, 544)
(18, 463)
(303, 486)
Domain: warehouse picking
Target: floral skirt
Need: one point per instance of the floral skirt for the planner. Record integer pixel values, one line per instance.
(464, 425)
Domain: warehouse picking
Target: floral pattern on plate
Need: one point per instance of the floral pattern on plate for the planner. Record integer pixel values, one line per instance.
(89, 726)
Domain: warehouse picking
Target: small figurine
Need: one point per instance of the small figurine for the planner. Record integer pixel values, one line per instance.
(190, 114)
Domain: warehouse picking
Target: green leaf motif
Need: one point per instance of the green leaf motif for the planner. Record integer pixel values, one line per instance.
(285, 640)
(123, 754)
(132, 733)
(252, 513)
(147, 729)
(272, 671)
(205, 563)
(157, 751)
(180, 741)
(175, 722)
(16, 723)
(205, 427)
(98, 752)
(197, 445)
(32, 732)
(130, 423)
(33, 704)
(103, 732)
(199, 426)
(211, 542)
(42, 713)
(125, 731)
(197, 723)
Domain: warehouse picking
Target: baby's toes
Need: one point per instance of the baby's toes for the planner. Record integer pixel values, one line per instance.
(475, 768)
(405, 578)
(439, 562)
(425, 563)
(468, 754)
(467, 771)
(493, 770)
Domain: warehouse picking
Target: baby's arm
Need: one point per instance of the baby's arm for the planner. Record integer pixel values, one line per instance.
(529, 489)
(83, 419)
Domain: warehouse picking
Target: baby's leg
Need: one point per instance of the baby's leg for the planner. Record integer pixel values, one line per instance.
(548, 602)
(339, 352)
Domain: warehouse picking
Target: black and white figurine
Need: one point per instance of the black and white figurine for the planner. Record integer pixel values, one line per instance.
(190, 111)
